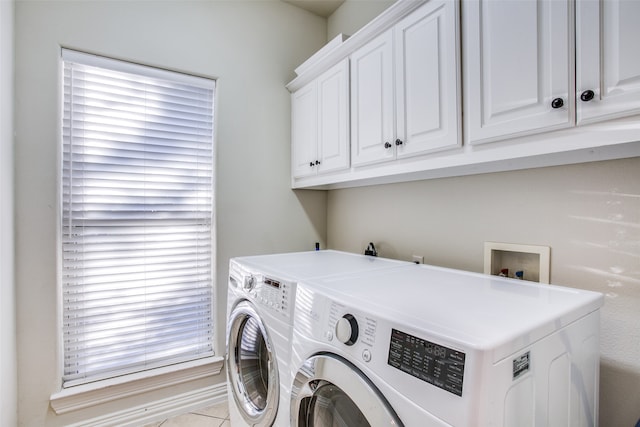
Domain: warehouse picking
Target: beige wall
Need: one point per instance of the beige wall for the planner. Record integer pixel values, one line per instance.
(589, 214)
(8, 386)
(251, 47)
(353, 15)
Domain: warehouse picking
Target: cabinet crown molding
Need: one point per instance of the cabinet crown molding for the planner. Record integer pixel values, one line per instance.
(378, 25)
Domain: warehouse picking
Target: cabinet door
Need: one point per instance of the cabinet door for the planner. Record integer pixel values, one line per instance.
(427, 80)
(333, 118)
(608, 59)
(304, 130)
(372, 101)
(516, 63)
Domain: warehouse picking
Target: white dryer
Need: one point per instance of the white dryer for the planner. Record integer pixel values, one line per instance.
(260, 299)
(424, 346)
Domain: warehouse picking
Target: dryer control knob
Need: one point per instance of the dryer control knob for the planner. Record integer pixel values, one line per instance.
(347, 329)
(249, 283)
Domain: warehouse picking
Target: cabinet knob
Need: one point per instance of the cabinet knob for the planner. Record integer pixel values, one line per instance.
(317, 162)
(557, 103)
(387, 145)
(311, 164)
(398, 142)
(587, 95)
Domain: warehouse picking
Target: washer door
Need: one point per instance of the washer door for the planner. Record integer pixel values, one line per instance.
(328, 391)
(252, 368)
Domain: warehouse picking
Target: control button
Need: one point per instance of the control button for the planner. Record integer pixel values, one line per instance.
(249, 283)
(329, 335)
(347, 329)
(366, 355)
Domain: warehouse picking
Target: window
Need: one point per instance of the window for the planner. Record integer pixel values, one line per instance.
(137, 214)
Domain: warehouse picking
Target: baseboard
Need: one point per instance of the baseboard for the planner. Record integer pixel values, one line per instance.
(160, 409)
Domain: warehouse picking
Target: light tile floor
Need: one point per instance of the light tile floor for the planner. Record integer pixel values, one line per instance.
(212, 416)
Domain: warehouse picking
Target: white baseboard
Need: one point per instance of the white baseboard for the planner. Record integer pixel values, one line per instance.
(160, 409)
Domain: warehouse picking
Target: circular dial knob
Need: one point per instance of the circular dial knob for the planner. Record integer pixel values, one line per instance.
(249, 283)
(347, 329)
(387, 145)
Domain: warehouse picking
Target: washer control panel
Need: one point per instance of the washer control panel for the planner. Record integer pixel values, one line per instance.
(356, 331)
(273, 293)
(428, 361)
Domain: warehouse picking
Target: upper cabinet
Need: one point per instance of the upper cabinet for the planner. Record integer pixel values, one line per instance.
(372, 101)
(520, 72)
(437, 88)
(427, 80)
(607, 59)
(404, 88)
(517, 68)
(320, 123)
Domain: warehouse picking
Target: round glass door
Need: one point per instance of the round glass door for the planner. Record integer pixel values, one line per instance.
(251, 366)
(328, 391)
(330, 406)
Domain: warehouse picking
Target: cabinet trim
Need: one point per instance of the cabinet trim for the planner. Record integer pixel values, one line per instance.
(610, 140)
(374, 28)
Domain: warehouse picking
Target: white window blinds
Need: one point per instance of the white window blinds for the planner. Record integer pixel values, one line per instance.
(137, 211)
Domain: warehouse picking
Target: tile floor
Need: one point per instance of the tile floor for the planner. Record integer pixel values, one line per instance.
(212, 416)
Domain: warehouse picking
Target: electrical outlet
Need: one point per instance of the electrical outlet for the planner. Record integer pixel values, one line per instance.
(418, 259)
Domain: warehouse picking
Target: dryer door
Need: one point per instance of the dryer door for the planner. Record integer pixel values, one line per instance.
(252, 368)
(330, 391)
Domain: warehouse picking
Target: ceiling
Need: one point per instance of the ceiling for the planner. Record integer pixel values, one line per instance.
(322, 8)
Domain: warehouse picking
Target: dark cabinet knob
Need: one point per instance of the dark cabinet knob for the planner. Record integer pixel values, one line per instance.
(557, 103)
(311, 164)
(398, 142)
(587, 95)
(317, 162)
(387, 145)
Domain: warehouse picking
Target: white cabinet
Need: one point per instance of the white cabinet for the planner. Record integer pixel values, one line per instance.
(304, 130)
(372, 126)
(427, 80)
(385, 104)
(519, 71)
(607, 59)
(320, 123)
(516, 68)
(404, 88)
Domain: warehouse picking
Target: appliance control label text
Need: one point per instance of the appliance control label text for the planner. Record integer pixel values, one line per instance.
(521, 365)
(425, 360)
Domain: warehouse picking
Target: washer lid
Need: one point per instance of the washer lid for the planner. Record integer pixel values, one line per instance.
(476, 311)
(303, 265)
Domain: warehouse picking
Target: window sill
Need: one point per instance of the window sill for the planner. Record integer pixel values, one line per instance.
(87, 395)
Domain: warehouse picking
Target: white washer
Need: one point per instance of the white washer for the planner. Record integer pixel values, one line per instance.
(427, 346)
(260, 303)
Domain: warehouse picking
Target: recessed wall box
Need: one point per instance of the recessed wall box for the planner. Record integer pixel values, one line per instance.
(532, 261)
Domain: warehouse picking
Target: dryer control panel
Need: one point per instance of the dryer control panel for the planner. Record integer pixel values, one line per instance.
(428, 361)
(273, 293)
